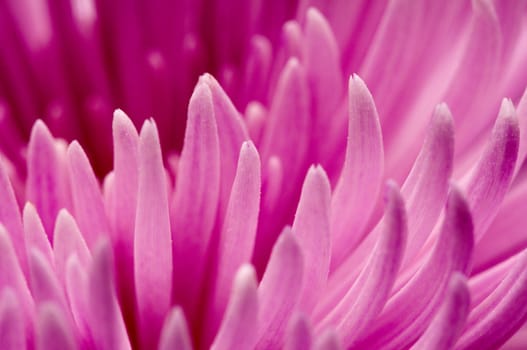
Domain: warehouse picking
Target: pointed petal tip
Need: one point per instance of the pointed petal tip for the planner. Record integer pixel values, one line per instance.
(40, 129)
(507, 111)
(121, 120)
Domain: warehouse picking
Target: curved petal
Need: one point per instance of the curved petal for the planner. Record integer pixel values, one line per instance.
(12, 327)
(34, 233)
(299, 333)
(53, 330)
(175, 333)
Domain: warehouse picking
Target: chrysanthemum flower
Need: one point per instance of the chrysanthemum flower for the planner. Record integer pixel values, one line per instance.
(377, 210)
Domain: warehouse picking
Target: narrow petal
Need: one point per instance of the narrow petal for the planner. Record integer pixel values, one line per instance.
(44, 283)
(491, 178)
(311, 226)
(126, 143)
(279, 289)
(426, 187)
(152, 241)
(68, 241)
(46, 186)
(12, 327)
(356, 192)
(450, 319)
(52, 329)
(299, 333)
(411, 309)
(328, 340)
(76, 286)
(87, 198)
(368, 295)
(11, 220)
(175, 333)
(502, 313)
(240, 323)
(34, 233)
(236, 241)
(107, 325)
(195, 203)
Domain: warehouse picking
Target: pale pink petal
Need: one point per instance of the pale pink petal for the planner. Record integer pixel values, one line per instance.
(279, 289)
(175, 333)
(356, 192)
(52, 329)
(194, 206)
(76, 287)
(368, 295)
(489, 182)
(328, 340)
(411, 309)
(34, 233)
(12, 327)
(450, 318)
(240, 323)
(11, 220)
(502, 313)
(299, 333)
(236, 240)
(426, 187)
(68, 241)
(107, 325)
(88, 204)
(152, 241)
(11, 274)
(311, 226)
(43, 282)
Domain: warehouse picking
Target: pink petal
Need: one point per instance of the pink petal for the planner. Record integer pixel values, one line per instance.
(311, 226)
(152, 241)
(11, 220)
(356, 193)
(329, 340)
(194, 206)
(368, 295)
(502, 313)
(77, 293)
(11, 274)
(411, 309)
(236, 241)
(68, 241)
(425, 188)
(34, 233)
(87, 198)
(175, 333)
(450, 318)
(47, 185)
(279, 289)
(44, 283)
(107, 325)
(490, 180)
(299, 333)
(240, 322)
(12, 327)
(52, 329)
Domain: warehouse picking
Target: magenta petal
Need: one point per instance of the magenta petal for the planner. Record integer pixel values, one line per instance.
(426, 187)
(411, 309)
(76, 287)
(450, 318)
(239, 327)
(311, 226)
(68, 241)
(152, 241)
(46, 187)
(34, 233)
(52, 329)
(87, 198)
(299, 333)
(107, 325)
(368, 295)
(44, 283)
(490, 180)
(195, 202)
(279, 289)
(236, 240)
(12, 328)
(175, 334)
(356, 192)
(502, 313)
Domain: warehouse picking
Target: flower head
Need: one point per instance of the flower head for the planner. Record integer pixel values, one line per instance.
(378, 210)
